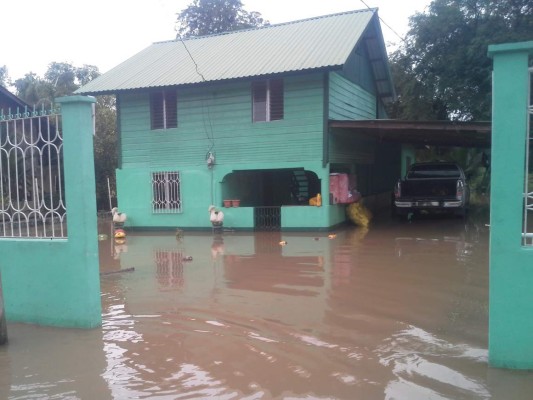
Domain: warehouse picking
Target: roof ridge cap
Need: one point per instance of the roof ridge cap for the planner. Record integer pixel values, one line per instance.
(372, 9)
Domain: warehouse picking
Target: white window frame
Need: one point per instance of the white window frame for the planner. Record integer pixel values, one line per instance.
(160, 105)
(166, 192)
(263, 112)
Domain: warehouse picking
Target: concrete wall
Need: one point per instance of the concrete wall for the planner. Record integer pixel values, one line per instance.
(56, 281)
(3, 325)
(511, 264)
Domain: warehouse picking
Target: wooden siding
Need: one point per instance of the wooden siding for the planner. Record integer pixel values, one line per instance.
(218, 118)
(348, 100)
(357, 69)
(351, 149)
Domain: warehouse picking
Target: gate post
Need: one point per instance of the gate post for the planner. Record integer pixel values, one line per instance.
(511, 263)
(3, 326)
(56, 281)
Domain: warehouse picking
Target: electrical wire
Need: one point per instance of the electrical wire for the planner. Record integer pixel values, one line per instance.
(209, 132)
(384, 23)
(192, 58)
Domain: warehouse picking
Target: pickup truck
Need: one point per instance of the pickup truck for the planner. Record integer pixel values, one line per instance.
(432, 187)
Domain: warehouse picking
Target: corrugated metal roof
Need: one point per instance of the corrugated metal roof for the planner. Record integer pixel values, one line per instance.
(321, 42)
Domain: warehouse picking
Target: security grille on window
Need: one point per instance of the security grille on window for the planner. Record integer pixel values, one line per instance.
(267, 99)
(166, 192)
(164, 109)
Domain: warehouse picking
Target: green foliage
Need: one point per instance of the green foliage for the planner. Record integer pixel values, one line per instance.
(62, 79)
(4, 77)
(105, 149)
(442, 69)
(204, 17)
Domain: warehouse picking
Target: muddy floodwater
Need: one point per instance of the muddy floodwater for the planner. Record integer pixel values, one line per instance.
(396, 311)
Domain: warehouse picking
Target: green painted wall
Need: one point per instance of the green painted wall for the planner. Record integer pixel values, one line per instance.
(217, 118)
(57, 281)
(386, 169)
(511, 265)
(202, 187)
(358, 69)
(408, 158)
(349, 101)
(3, 324)
(351, 149)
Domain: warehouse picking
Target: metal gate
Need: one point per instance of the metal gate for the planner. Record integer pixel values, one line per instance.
(32, 201)
(267, 218)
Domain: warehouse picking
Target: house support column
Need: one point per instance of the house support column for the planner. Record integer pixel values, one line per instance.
(511, 263)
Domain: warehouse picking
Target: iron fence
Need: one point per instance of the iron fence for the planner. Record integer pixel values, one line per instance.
(32, 202)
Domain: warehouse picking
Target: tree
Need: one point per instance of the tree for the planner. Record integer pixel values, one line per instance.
(204, 17)
(443, 68)
(4, 77)
(62, 79)
(105, 149)
(33, 90)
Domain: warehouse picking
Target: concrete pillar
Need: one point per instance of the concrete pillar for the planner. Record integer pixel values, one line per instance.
(56, 281)
(511, 264)
(3, 325)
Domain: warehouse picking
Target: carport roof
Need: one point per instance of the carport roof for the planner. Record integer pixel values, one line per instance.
(433, 133)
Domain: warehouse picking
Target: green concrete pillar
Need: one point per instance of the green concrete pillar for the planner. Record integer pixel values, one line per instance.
(511, 264)
(57, 281)
(3, 325)
(80, 192)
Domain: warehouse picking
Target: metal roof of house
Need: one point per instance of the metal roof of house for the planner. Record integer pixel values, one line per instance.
(16, 101)
(316, 43)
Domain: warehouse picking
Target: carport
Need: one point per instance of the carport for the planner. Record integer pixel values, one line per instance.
(406, 136)
(431, 133)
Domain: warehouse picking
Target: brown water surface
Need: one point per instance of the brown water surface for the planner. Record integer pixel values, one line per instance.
(398, 311)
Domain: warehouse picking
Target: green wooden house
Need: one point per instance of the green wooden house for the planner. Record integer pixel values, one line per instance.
(245, 116)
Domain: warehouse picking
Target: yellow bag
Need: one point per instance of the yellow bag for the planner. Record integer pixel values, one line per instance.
(359, 214)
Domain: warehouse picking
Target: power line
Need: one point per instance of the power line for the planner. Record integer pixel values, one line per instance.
(384, 23)
(192, 58)
(209, 133)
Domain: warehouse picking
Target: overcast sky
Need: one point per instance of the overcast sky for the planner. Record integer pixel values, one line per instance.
(106, 32)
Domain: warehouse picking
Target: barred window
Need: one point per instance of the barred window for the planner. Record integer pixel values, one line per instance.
(166, 192)
(164, 109)
(267, 99)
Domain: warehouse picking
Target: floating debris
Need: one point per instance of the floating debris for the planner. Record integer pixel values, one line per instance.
(332, 236)
(283, 243)
(120, 233)
(118, 272)
(188, 258)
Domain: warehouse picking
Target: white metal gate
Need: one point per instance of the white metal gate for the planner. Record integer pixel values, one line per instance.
(32, 203)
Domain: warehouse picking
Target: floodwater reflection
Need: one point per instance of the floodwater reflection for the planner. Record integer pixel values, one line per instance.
(396, 311)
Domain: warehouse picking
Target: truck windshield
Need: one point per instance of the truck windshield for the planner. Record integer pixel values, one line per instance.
(434, 171)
